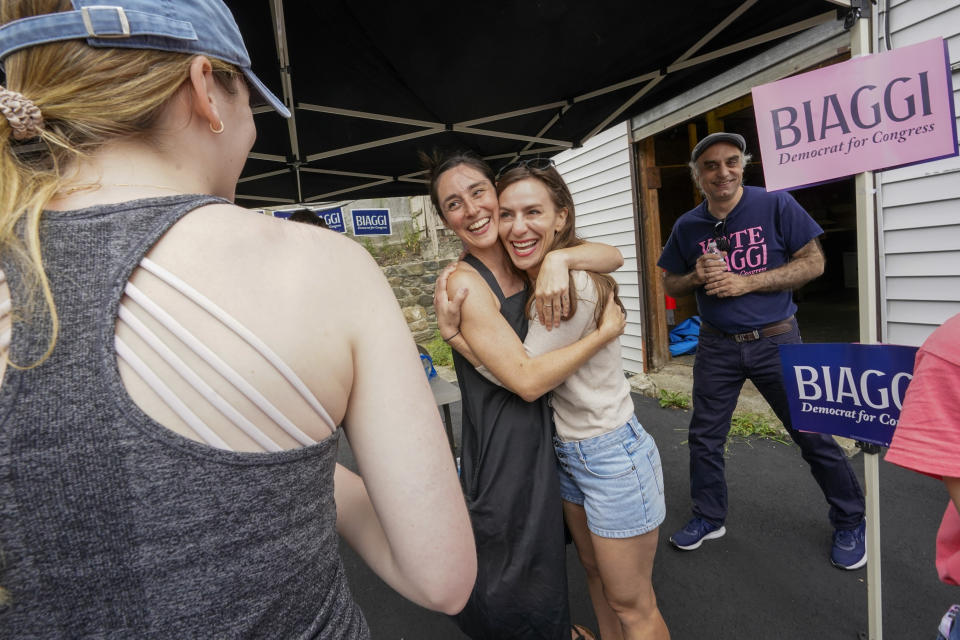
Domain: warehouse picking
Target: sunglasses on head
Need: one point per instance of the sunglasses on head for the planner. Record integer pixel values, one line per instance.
(720, 235)
(539, 164)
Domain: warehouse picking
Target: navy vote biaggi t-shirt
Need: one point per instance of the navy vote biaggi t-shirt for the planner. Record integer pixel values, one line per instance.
(764, 230)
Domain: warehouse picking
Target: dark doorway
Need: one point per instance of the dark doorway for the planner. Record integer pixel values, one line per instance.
(828, 305)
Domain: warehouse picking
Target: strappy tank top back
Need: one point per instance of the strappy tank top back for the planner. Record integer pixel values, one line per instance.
(112, 524)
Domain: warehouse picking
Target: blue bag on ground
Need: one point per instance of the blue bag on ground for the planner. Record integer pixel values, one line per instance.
(684, 337)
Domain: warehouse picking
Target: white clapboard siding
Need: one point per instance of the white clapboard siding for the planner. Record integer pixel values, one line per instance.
(907, 333)
(922, 263)
(598, 175)
(922, 214)
(924, 288)
(925, 188)
(925, 311)
(604, 205)
(941, 239)
(913, 21)
(920, 204)
(589, 221)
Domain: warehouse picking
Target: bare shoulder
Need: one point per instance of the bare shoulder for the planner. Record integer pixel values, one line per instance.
(281, 264)
(279, 245)
(308, 293)
(466, 277)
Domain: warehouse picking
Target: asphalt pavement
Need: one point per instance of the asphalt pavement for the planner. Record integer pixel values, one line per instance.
(768, 578)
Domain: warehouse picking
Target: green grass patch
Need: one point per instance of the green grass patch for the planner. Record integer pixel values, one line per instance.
(755, 425)
(746, 426)
(440, 351)
(674, 399)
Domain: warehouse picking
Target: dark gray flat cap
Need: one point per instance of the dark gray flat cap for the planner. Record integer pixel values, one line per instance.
(733, 138)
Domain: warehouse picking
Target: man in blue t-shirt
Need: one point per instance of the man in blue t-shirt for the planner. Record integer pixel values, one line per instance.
(742, 251)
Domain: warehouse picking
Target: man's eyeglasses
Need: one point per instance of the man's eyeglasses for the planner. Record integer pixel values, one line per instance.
(720, 235)
(539, 164)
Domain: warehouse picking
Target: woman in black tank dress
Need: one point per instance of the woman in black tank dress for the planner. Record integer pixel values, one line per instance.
(508, 468)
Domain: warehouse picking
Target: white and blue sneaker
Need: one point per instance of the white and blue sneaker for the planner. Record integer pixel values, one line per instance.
(695, 532)
(849, 547)
(949, 627)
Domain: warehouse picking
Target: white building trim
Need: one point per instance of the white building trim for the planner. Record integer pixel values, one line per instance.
(798, 53)
(598, 175)
(919, 212)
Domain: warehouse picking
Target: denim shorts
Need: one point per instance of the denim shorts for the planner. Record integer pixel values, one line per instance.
(617, 478)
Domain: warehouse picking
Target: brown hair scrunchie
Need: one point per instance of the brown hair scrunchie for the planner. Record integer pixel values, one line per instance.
(24, 117)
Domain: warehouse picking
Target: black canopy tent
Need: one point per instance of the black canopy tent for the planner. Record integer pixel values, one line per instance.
(371, 83)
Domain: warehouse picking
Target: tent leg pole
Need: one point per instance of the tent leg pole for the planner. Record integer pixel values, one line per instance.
(871, 464)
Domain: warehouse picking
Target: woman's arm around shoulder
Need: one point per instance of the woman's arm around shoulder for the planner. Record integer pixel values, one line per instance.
(498, 348)
(551, 291)
(457, 279)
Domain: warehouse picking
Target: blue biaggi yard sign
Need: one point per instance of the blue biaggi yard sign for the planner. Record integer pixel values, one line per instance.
(371, 222)
(851, 390)
(333, 218)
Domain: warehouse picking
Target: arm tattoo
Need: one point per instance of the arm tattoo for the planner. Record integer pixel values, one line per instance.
(805, 265)
(677, 286)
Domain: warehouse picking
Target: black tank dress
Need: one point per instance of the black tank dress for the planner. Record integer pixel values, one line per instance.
(509, 478)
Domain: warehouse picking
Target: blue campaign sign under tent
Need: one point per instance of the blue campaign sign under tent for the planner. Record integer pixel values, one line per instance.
(851, 390)
(371, 222)
(333, 218)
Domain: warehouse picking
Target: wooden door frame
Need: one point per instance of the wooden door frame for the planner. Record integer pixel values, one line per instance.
(646, 182)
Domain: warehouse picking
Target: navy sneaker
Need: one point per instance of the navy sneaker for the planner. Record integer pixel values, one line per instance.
(849, 547)
(696, 531)
(949, 625)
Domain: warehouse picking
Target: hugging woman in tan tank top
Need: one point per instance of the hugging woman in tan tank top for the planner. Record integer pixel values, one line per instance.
(175, 372)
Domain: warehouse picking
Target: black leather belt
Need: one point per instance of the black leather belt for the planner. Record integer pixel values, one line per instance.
(767, 331)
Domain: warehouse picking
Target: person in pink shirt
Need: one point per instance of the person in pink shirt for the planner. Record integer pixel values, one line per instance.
(927, 440)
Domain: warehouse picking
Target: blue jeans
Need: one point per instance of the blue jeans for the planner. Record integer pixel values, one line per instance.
(617, 478)
(719, 371)
(954, 634)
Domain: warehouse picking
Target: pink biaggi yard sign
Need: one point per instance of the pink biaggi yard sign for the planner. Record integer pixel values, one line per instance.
(872, 112)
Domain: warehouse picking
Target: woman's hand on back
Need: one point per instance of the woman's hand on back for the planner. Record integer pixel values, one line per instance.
(552, 291)
(448, 311)
(613, 321)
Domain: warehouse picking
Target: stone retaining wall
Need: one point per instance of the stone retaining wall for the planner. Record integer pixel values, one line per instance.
(413, 286)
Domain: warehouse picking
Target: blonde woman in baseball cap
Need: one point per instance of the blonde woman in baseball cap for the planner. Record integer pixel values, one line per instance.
(175, 374)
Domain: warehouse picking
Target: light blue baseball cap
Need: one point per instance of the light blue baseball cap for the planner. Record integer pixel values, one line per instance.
(203, 27)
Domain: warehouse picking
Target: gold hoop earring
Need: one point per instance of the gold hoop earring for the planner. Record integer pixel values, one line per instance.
(219, 129)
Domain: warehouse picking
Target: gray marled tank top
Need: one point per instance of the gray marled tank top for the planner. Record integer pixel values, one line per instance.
(112, 526)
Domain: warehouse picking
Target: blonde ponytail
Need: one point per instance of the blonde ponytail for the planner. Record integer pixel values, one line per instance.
(88, 97)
